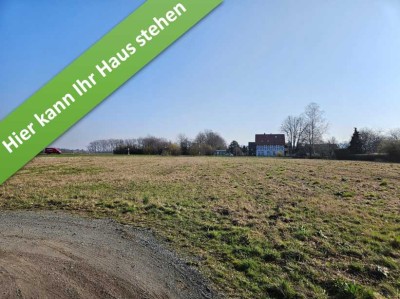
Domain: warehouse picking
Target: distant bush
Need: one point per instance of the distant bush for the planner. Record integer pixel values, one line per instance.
(168, 149)
(171, 149)
(369, 157)
(123, 150)
(345, 154)
(392, 149)
(342, 154)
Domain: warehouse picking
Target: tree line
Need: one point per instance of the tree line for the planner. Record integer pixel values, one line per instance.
(305, 135)
(367, 144)
(205, 143)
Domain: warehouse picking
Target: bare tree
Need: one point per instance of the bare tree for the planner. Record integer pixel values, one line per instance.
(184, 143)
(154, 145)
(207, 142)
(371, 140)
(395, 134)
(215, 140)
(294, 127)
(104, 145)
(131, 143)
(316, 126)
(96, 146)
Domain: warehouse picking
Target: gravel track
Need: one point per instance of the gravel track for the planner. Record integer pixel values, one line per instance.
(58, 255)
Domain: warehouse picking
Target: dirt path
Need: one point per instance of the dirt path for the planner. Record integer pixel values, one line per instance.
(57, 255)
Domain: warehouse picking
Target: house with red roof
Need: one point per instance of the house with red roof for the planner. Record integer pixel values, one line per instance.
(268, 145)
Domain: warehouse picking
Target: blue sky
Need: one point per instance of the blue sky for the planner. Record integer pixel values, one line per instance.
(239, 72)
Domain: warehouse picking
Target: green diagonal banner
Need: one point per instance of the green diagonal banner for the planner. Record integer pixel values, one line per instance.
(92, 77)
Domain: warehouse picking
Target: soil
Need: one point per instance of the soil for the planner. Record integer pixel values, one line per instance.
(57, 255)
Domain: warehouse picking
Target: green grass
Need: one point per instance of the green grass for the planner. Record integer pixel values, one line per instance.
(258, 228)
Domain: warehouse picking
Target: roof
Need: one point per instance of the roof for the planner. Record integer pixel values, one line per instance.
(270, 139)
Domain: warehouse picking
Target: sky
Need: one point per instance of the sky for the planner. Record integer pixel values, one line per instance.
(239, 72)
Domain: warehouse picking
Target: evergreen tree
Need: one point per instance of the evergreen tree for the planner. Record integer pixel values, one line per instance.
(356, 144)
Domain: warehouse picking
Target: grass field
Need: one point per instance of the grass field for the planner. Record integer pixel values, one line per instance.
(258, 228)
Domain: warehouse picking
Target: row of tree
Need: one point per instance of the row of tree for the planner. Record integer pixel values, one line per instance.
(305, 134)
(205, 143)
(366, 142)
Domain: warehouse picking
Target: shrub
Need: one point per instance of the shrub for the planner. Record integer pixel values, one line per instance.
(392, 149)
(342, 154)
(345, 154)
